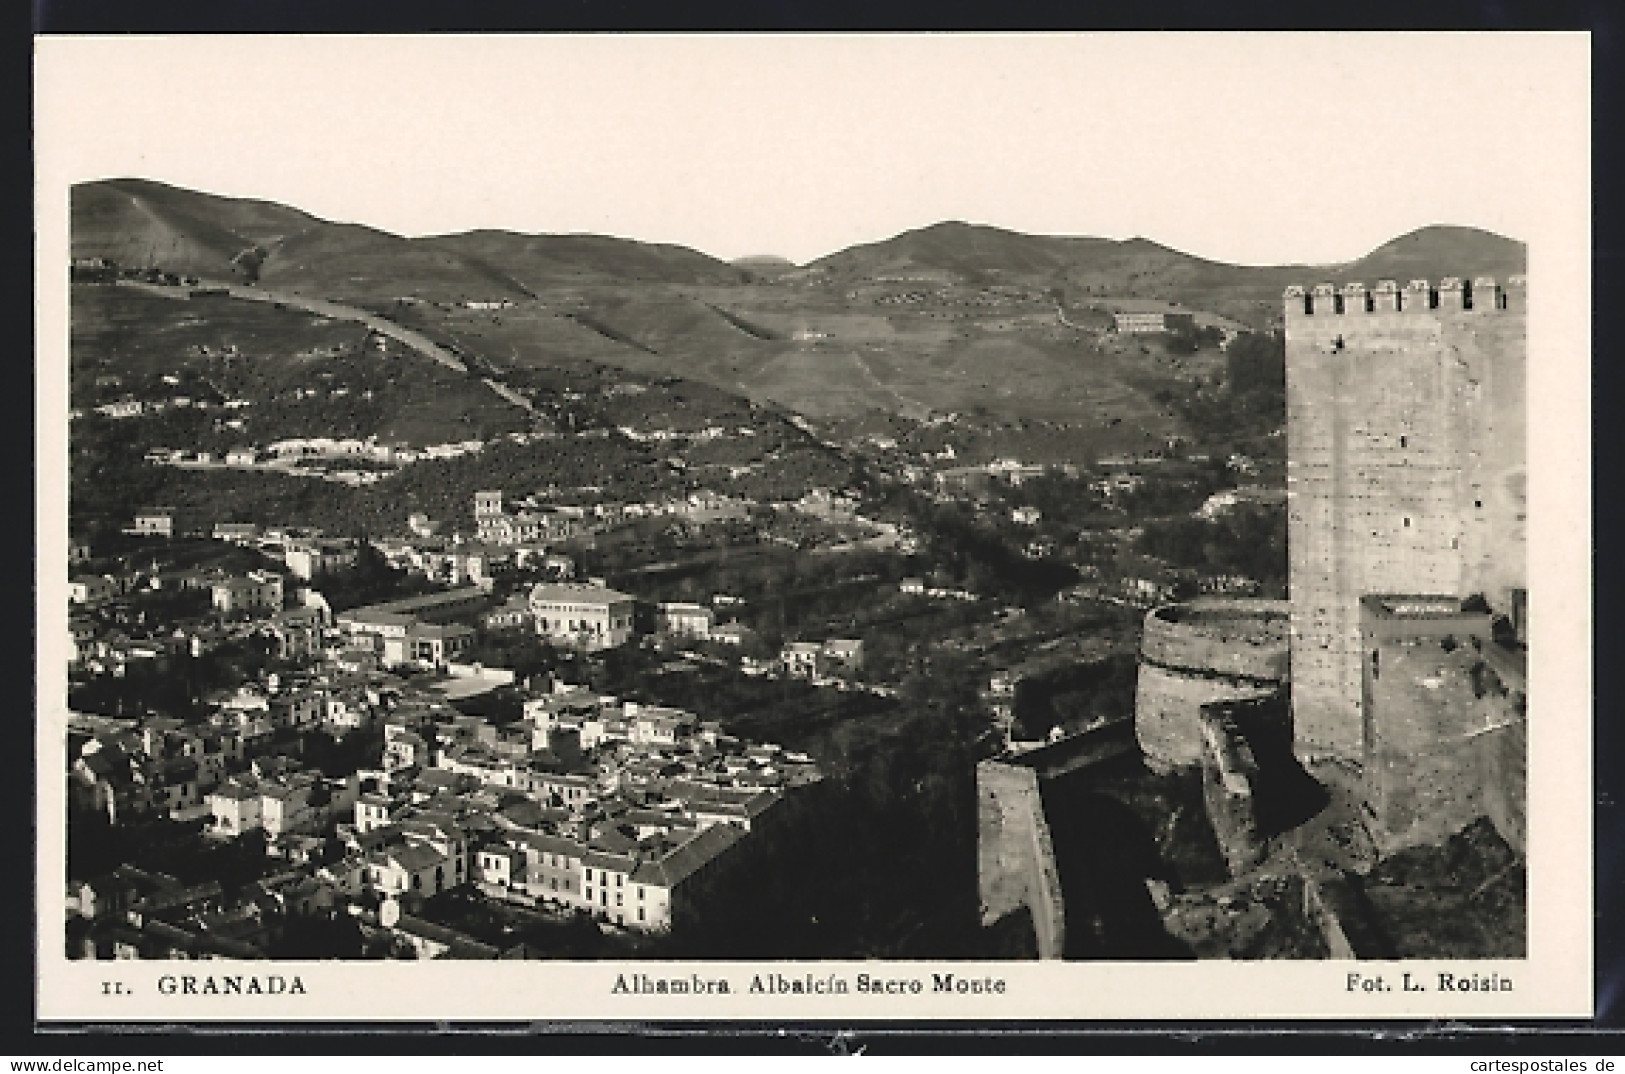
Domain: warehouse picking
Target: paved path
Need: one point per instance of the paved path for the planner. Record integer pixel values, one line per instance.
(382, 325)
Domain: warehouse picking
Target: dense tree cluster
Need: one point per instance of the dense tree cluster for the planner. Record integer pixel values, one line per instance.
(370, 581)
(1188, 339)
(1075, 696)
(879, 861)
(1249, 541)
(174, 685)
(1246, 413)
(96, 848)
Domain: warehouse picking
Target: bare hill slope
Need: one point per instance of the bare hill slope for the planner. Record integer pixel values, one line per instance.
(945, 317)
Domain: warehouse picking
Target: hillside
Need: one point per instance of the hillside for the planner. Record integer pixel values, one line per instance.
(360, 264)
(950, 317)
(298, 375)
(1431, 252)
(540, 261)
(971, 251)
(138, 222)
(767, 263)
(1086, 269)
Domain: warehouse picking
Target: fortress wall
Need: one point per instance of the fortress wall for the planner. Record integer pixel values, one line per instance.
(1443, 722)
(1444, 748)
(1503, 761)
(1228, 637)
(1228, 771)
(1167, 712)
(1405, 469)
(1198, 653)
(1344, 922)
(1016, 859)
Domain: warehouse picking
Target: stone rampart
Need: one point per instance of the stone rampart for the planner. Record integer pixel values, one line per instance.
(1244, 638)
(1016, 858)
(1503, 761)
(1342, 918)
(1442, 728)
(1199, 653)
(1228, 773)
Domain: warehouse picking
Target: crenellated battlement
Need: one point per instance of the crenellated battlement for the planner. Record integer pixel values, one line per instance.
(1452, 294)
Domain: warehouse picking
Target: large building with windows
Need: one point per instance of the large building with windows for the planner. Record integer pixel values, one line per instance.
(418, 630)
(1135, 323)
(255, 592)
(590, 617)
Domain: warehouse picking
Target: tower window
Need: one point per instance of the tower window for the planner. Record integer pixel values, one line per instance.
(1407, 521)
(1404, 441)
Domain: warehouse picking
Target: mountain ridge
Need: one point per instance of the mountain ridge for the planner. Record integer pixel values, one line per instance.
(133, 217)
(945, 318)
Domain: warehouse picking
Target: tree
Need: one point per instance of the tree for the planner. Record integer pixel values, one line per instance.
(1256, 363)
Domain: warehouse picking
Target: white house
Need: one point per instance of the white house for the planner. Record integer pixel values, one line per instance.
(256, 592)
(589, 616)
(92, 589)
(686, 620)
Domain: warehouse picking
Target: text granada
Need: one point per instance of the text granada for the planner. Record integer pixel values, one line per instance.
(231, 985)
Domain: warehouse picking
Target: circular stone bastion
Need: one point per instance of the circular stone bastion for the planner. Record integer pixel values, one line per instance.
(1199, 652)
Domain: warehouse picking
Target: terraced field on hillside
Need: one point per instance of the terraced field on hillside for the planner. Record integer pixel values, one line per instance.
(949, 317)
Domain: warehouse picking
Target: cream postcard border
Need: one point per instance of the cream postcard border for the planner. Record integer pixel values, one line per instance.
(1555, 979)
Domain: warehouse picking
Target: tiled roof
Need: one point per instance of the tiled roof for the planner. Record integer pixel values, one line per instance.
(699, 795)
(377, 617)
(426, 602)
(573, 593)
(688, 858)
(543, 843)
(620, 863)
(418, 856)
(442, 631)
(501, 850)
(458, 945)
(524, 812)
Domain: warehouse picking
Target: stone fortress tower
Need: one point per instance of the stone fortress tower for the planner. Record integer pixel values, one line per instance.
(1382, 706)
(1405, 484)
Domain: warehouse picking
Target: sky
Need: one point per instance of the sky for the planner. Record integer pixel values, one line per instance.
(1253, 149)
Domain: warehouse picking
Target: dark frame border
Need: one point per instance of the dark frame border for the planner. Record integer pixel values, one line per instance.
(24, 1035)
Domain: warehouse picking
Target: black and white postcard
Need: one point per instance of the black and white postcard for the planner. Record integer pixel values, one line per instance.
(636, 527)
